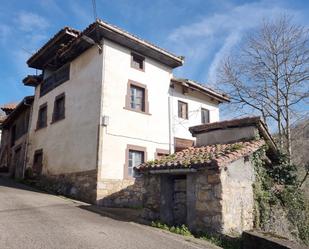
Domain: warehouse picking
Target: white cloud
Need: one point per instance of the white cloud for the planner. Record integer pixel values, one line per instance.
(28, 22)
(219, 33)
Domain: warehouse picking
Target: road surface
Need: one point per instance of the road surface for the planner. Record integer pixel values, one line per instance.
(36, 220)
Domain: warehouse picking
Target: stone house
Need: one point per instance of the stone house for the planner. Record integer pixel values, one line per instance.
(14, 129)
(208, 187)
(105, 102)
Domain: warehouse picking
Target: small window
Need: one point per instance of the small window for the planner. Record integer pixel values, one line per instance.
(205, 116)
(135, 159)
(182, 110)
(38, 162)
(137, 98)
(138, 61)
(42, 116)
(59, 108)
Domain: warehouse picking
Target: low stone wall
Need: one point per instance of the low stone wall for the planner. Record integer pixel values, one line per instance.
(255, 240)
(120, 193)
(80, 185)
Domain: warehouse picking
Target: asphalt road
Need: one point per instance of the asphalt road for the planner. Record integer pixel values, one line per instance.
(35, 220)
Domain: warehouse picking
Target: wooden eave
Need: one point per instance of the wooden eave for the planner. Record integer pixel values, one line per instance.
(42, 57)
(221, 98)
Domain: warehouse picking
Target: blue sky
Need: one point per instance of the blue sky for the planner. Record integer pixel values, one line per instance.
(204, 31)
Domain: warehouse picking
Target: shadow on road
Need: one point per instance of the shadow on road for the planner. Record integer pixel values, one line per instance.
(121, 214)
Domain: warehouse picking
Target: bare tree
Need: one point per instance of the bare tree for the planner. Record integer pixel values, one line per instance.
(269, 74)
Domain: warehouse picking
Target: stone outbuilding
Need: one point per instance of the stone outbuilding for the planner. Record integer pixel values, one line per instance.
(208, 187)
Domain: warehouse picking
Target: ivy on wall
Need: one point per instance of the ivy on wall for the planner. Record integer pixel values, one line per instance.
(277, 185)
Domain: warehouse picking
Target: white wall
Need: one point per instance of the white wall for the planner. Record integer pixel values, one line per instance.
(195, 101)
(70, 145)
(129, 127)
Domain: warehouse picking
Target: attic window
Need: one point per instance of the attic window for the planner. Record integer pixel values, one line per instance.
(137, 61)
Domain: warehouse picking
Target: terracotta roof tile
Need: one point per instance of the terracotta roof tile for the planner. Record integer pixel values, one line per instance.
(218, 155)
(9, 106)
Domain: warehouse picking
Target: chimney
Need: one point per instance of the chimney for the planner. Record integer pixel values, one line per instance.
(231, 131)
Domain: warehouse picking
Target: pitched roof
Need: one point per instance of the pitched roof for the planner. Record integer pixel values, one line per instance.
(221, 97)
(92, 35)
(9, 107)
(218, 155)
(25, 103)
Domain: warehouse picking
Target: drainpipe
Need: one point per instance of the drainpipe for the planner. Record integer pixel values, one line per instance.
(170, 120)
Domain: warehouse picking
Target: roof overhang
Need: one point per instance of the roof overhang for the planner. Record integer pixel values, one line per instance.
(43, 56)
(220, 97)
(67, 45)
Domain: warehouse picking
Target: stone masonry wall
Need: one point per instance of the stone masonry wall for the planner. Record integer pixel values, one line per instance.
(81, 185)
(237, 197)
(120, 193)
(151, 197)
(208, 216)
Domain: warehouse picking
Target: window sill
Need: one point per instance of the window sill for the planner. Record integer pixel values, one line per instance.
(183, 118)
(56, 121)
(139, 69)
(133, 110)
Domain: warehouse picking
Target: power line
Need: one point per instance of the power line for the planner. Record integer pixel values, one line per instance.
(94, 6)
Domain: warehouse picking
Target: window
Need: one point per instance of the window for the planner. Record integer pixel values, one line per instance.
(138, 61)
(182, 110)
(59, 108)
(181, 143)
(56, 79)
(137, 97)
(205, 116)
(38, 162)
(135, 159)
(42, 117)
(161, 153)
(135, 155)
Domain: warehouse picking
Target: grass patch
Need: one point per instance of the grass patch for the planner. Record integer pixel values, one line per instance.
(222, 241)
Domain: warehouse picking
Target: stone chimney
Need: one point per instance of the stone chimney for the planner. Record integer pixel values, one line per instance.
(231, 131)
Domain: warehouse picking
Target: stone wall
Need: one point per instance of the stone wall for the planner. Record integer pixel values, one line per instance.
(81, 185)
(258, 240)
(120, 193)
(151, 197)
(217, 201)
(208, 215)
(237, 196)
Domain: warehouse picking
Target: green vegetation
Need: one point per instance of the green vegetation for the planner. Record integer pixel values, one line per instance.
(277, 186)
(224, 242)
(182, 230)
